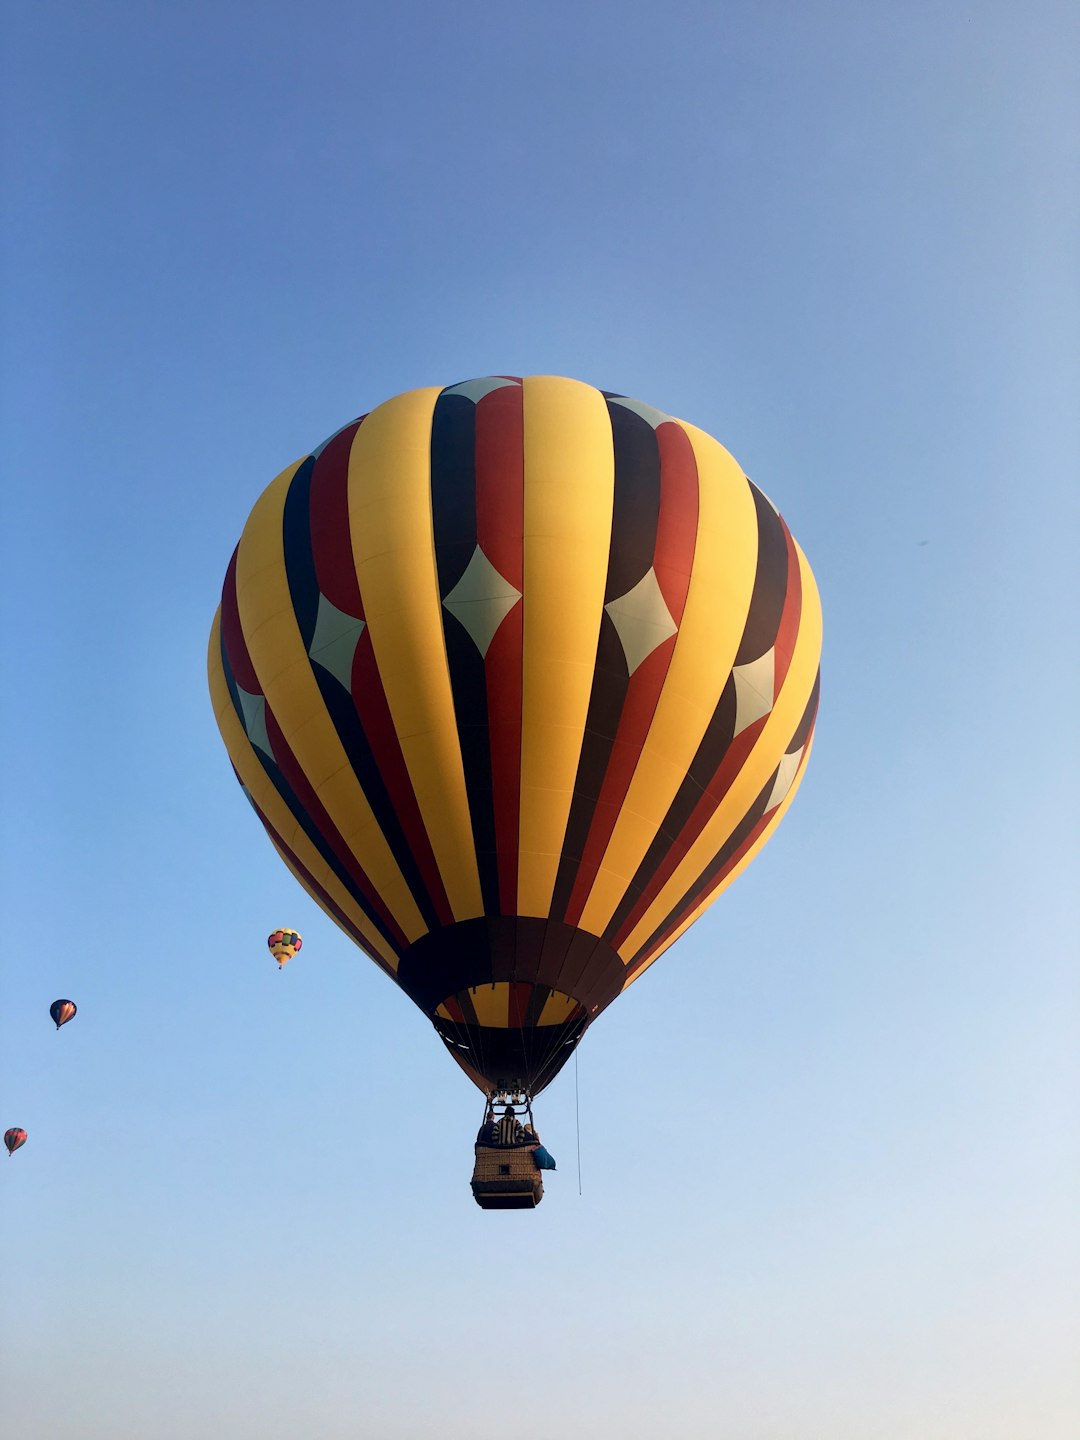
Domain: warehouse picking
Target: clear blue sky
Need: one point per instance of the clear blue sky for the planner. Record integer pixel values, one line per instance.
(840, 1199)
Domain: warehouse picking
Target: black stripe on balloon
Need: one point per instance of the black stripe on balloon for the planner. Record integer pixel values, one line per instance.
(453, 514)
(300, 815)
(468, 1009)
(304, 594)
(636, 501)
(538, 998)
(770, 583)
(759, 635)
(634, 520)
(806, 724)
(296, 546)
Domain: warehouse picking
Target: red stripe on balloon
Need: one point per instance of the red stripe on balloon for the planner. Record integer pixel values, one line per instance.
(673, 560)
(454, 1010)
(500, 523)
(518, 1004)
(331, 535)
(677, 527)
(500, 481)
(232, 635)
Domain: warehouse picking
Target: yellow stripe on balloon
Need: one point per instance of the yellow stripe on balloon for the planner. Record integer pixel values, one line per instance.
(266, 797)
(557, 1008)
(491, 1004)
(569, 490)
(283, 666)
(763, 759)
(394, 554)
(721, 586)
(735, 871)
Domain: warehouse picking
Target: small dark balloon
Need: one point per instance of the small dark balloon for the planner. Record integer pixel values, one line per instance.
(62, 1011)
(13, 1139)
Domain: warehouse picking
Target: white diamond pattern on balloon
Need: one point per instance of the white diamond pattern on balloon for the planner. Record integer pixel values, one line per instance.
(481, 600)
(642, 619)
(475, 390)
(334, 642)
(254, 708)
(785, 775)
(755, 685)
(648, 413)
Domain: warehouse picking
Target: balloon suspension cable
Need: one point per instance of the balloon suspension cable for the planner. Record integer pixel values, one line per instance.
(577, 1117)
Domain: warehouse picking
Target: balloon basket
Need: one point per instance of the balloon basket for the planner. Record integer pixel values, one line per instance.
(505, 1175)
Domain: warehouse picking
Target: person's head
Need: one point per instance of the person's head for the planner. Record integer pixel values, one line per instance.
(508, 1113)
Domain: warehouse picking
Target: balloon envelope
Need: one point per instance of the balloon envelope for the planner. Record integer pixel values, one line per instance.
(518, 676)
(283, 945)
(62, 1011)
(13, 1139)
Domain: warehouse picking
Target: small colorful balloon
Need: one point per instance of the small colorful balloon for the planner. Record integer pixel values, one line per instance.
(13, 1139)
(283, 945)
(62, 1011)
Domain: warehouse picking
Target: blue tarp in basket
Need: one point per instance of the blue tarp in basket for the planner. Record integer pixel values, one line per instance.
(542, 1160)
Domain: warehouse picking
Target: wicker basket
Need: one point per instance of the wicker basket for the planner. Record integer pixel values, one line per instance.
(505, 1178)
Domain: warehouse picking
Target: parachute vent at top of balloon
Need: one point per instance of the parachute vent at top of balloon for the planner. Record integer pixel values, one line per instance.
(518, 676)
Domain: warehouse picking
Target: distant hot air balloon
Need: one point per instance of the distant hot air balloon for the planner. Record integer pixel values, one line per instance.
(283, 945)
(62, 1011)
(518, 676)
(13, 1139)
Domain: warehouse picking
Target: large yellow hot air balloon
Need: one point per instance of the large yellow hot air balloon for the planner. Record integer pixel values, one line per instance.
(518, 676)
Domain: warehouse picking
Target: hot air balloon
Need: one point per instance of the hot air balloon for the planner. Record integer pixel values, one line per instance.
(283, 945)
(62, 1011)
(13, 1139)
(518, 676)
